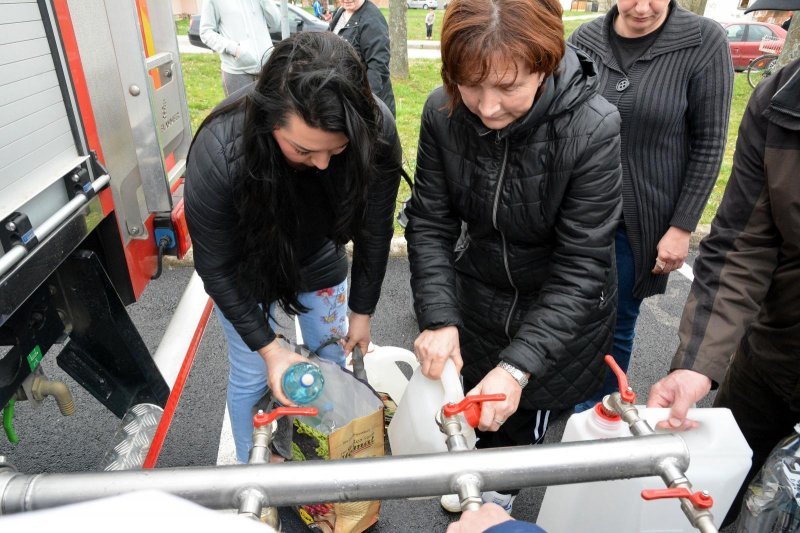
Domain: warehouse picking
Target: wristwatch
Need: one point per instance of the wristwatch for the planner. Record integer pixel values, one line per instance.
(521, 376)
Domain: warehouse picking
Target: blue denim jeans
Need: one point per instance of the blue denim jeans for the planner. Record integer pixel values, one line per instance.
(627, 313)
(247, 380)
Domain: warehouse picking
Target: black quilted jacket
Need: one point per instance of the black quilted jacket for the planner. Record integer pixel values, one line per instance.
(536, 284)
(213, 169)
(368, 32)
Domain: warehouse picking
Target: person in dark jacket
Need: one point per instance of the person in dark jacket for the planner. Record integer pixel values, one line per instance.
(740, 329)
(518, 145)
(669, 72)
(361, 23)
(279, 177)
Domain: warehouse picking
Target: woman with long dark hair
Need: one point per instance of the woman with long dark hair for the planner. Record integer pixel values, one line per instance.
(279, 178)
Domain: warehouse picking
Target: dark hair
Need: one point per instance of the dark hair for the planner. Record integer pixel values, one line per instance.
(476, 33)
(320, 78)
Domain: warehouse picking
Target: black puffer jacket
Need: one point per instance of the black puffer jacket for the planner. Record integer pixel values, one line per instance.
(536, 285)
(368, 32)
(212, 171)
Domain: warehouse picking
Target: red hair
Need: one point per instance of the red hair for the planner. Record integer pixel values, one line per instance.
(478, 36)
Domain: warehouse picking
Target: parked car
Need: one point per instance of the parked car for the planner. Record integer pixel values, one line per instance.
(749, 40)
(422, 4)
(299, 20)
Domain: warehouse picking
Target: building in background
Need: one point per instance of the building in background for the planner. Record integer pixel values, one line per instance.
(186, 7)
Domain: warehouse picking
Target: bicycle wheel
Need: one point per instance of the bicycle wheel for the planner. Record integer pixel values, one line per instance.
(760, 68)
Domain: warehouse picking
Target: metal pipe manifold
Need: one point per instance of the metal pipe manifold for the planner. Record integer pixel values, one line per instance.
(296, 483)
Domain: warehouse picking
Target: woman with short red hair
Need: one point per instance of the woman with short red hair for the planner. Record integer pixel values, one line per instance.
(518, 145)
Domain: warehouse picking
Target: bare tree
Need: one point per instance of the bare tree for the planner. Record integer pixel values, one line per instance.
(695, 6)
(398, 33)
(791, 47)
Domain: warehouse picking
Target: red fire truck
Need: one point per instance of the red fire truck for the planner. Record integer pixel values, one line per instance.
(94, 133)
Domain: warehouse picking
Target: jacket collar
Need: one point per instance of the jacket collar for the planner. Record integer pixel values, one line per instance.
(784, 107)
(681, 30)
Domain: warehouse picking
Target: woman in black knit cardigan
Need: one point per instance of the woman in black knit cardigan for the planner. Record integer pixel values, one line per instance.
(669, 73)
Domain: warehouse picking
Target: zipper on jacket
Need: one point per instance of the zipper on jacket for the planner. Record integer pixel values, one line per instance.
(502, 235)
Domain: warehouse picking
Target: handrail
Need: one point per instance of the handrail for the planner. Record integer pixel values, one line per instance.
(18, 252)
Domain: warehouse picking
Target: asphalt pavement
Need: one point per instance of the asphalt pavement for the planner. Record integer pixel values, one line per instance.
(52, 443)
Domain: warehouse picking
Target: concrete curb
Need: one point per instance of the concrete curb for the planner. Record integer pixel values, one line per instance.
(398, 248)
(423, 44)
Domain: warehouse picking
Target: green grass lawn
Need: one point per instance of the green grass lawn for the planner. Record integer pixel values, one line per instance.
(741, 94)
(182, 26)
(201, 75)
(204, 90)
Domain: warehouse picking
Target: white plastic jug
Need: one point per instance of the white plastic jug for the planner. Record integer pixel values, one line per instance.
(386, 368)
(413, 429)
(719, 458)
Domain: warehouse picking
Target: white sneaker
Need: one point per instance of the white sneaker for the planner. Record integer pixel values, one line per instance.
(506, 501)
(451, 503)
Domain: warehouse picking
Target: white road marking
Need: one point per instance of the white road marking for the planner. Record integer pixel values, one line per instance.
(686, 270)
(298, 335)
(227, 450)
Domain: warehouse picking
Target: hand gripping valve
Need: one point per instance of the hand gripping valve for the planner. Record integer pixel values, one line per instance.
(251, 499)
(695, 505)
(468, 486)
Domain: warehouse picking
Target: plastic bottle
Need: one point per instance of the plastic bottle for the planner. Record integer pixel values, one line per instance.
(772, 501)
(414, 429)
(302, 383)
(719, 461)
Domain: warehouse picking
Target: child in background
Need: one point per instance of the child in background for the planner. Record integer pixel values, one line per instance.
(429, 18)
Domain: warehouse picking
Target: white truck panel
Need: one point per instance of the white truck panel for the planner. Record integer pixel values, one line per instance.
(37, 145)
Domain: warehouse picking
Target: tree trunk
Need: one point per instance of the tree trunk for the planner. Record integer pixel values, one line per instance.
(398, 34)
(695, 6)
(791, 47)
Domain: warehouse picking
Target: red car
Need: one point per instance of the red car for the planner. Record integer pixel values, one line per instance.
(749, 40)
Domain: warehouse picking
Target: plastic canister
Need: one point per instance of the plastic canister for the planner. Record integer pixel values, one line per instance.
(414, 429)
(719, 459)
(389, 369)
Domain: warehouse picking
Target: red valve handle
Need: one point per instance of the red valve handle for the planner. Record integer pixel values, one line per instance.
(262, 419)
(625, 391)
(471, 407)
(699, 499)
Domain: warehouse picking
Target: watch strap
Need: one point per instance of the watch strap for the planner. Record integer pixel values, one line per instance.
(515, 372)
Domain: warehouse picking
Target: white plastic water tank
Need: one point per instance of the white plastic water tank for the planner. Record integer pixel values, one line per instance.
(414, 429)
(719, 460)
